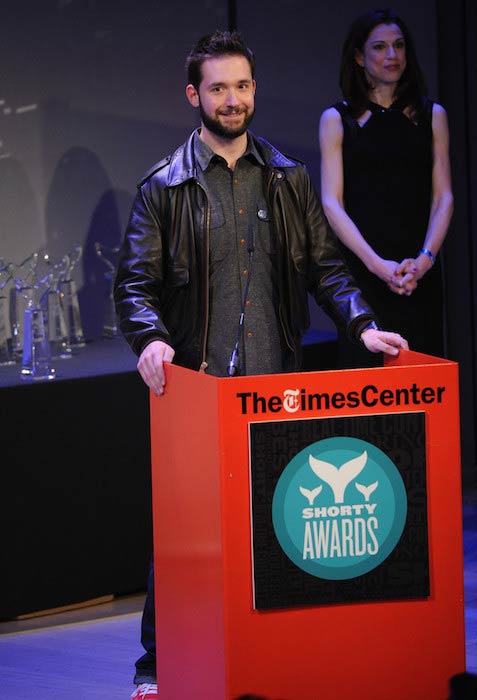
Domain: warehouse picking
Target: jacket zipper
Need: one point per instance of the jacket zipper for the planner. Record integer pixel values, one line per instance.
(203, 364)
(280, 310)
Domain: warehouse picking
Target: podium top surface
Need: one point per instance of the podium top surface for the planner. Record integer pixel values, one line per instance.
(406, 358)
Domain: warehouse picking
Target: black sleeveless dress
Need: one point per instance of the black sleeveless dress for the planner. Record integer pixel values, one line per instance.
(387, 168)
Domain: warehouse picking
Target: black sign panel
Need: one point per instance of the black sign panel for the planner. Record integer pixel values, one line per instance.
(404, 571)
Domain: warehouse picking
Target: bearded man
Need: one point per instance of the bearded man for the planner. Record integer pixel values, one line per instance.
(228, 228)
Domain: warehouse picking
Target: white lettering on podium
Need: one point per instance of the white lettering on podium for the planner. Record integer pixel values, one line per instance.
(327, 539)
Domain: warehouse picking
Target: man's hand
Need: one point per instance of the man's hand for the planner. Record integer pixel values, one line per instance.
(151, 365)
(383, 341)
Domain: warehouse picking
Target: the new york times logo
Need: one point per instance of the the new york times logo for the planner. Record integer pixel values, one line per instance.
(294, 400)
(339, 508)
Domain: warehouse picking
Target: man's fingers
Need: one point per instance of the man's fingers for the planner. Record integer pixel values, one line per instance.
(152, 373)
(392, 342)
(151, 365)
(384, 341)
(168, 354)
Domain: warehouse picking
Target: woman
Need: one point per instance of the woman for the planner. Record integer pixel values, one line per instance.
(386, 187)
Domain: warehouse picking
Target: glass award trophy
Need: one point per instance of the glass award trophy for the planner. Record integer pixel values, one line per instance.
(20, 296)
(36, 355)
(109, 256)
(69, 301)
(53, 313)
(6, 357)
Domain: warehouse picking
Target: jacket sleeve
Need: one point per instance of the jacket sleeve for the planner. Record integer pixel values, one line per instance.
(330, 281)
(139, 278)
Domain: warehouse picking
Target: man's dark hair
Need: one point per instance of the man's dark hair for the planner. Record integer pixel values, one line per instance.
(411, 87)
(220, 43)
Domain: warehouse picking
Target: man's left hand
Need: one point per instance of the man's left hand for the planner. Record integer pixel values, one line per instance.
(383, 341)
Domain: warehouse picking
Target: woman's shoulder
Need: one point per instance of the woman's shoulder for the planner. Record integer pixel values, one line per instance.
(330, 114)
(432, 109)
(439, 122)
(331, 124)
(431, 116)
(340, 108)
(339, 118)
(337, 114)
(437, 109)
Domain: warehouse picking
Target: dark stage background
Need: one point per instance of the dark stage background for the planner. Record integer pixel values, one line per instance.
(92, 94)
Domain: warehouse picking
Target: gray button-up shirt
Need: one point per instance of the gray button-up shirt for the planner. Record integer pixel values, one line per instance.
(239, 223)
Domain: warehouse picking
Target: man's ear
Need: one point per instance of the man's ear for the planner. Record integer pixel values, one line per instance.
(192, 95)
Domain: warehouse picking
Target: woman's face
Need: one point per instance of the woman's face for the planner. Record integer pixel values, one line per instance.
(384, 55)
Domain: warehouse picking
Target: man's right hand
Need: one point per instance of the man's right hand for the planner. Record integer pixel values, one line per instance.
(151, 365)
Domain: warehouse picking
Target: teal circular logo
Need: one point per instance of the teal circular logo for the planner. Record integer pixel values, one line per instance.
(339, 508)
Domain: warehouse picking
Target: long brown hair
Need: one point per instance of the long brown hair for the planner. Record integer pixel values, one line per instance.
(411, 88)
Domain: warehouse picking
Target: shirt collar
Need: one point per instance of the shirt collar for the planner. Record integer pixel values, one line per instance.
(204, 154)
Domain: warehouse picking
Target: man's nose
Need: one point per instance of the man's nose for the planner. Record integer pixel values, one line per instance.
(232, 98)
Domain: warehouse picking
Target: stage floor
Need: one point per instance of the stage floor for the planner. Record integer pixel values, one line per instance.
(88, 654)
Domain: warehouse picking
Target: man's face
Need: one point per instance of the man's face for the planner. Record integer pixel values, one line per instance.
(225, 96)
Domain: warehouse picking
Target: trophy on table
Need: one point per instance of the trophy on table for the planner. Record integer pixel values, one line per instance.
(50, 302)
(21, 295)
(69, 300)
(109, 256)
(36, 354)
(6, 357)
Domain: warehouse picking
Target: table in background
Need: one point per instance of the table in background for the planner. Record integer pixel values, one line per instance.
(75, 484)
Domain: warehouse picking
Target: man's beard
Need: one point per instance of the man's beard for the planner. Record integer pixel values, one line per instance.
(215, 126)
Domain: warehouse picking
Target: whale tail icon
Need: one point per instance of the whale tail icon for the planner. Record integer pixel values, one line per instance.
(367, 490)
(311, 494)
(338, 478)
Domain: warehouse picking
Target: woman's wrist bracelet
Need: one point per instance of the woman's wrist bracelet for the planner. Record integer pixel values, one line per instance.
(430, 254)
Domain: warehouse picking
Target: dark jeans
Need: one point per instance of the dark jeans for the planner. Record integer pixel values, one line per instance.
(146, 665)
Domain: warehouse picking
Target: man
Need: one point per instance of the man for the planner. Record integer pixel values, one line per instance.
(228, 224)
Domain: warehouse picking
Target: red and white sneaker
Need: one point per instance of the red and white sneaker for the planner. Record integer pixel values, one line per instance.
(145, 691)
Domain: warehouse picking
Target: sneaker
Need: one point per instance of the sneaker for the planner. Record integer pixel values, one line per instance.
(145, 691)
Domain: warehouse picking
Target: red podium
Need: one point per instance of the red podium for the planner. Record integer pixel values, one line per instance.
(226, 625)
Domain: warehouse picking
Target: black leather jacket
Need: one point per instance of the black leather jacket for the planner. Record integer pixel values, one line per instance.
(161, 287)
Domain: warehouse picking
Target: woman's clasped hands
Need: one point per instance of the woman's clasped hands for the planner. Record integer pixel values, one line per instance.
(406, 276)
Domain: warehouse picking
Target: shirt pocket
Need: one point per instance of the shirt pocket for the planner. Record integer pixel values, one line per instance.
(219, 240)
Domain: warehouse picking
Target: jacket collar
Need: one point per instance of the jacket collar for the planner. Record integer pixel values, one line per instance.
(183, 165)
(204, 154)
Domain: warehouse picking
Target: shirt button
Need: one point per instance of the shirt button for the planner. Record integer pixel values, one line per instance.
(248, 302)
(249, 334)
(245, 272)
(241, 211)
(236, 182)
(242, 241)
